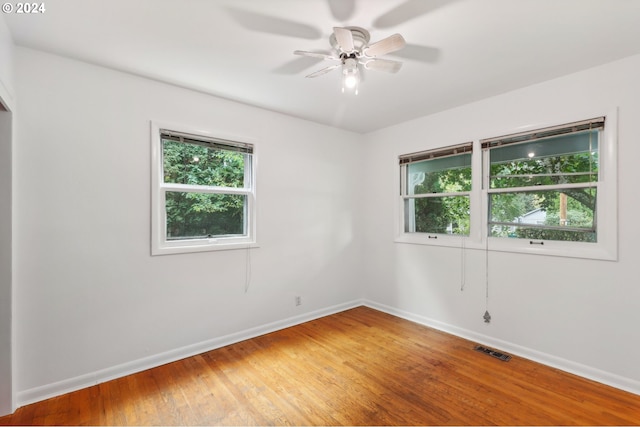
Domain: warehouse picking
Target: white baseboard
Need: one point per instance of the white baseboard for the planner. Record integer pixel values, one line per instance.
(47, 391)
(72, 384)
(575, 368)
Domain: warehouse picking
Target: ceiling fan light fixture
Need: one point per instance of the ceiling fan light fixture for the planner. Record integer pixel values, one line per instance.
(350, 75)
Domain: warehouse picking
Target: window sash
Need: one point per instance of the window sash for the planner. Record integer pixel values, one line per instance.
(246, 235)
(542, 188)
(542, 191)
(557, 149)
(189, 188)
(248, 159)
(434, 162)
(189, 236)
(423, 164)
(427, 195)
(246, 188)
(411, 216)
(543, 226)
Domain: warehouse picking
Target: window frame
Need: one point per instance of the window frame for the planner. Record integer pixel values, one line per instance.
(439, 239)
(160, 245)
(606, 247)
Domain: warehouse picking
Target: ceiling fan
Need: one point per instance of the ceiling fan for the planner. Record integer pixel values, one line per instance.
(351, 50)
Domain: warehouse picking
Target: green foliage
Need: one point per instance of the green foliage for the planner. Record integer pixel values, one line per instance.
(200, 165)
(505, 207)
(436, 214)
(564, 235)
(545, 170)
(194, 214)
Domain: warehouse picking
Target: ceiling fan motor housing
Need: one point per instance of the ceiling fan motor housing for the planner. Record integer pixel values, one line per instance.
(361, 39)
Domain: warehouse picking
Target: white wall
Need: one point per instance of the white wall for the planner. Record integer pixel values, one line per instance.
(6, 63)
(90, 300)
(6, 206)
(581, 315)
(6, 341)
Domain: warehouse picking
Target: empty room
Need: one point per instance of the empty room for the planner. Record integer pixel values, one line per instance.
(319, 212)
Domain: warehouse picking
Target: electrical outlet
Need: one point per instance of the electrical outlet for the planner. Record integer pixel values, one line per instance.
(298, 300)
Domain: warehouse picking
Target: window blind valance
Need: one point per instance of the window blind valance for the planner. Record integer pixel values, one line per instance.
(218, 143)
(453, 150)
(568, 128)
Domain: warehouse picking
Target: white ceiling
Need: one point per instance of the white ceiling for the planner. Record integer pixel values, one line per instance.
(458, 51)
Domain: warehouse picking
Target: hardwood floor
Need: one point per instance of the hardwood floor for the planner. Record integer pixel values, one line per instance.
(358, 367)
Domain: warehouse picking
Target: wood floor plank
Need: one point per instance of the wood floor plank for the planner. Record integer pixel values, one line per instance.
(358, 367)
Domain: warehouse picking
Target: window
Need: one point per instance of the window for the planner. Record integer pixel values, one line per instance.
(203, 192)
(544, 185)
(435, 191)
(548, 191)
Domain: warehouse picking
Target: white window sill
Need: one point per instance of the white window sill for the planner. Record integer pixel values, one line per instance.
(597, 251)
(200, 246)
(433, 239)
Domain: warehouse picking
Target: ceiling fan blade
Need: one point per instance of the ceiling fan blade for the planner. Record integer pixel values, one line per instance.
(386, 65)
(323, 71)
(273, 25)
(344, 38)
(407, 11)
(342, 10)
(384, 46)
(296, 65)
(319, 55)
(426, 54)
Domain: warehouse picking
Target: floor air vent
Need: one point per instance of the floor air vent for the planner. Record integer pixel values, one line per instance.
(496, 354)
